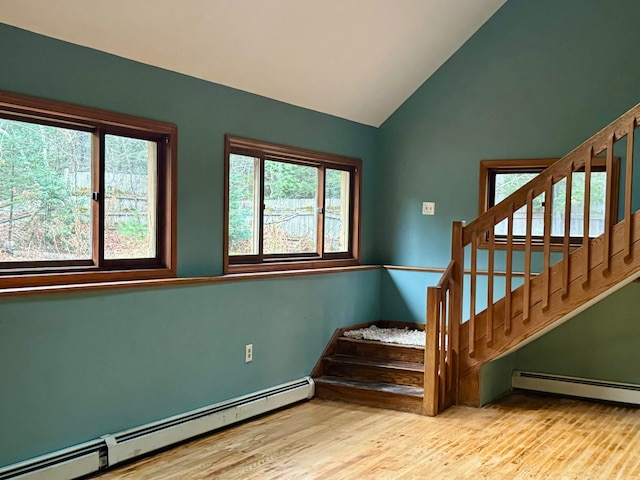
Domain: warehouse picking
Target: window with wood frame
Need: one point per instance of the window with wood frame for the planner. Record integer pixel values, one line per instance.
(85, 195)
(289, 208)
(500, 178)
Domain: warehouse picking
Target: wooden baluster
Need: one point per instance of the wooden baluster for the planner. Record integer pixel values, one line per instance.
(526, 297)
(472, 304)
(447, 308)
(491, 260)
(431, 382)
(628, 226)
(586, 261)
(548, 206)
(443, 348)
(509, 268)
(567, 232)
(608, 220)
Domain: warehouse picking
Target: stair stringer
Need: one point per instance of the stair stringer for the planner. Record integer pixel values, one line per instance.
(560, 308)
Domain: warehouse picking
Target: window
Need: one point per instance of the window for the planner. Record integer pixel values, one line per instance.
(500, 178)
(85, 195)
(288, 208)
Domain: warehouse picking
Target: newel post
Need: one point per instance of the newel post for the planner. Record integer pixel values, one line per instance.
(455, 319)
(431, 357)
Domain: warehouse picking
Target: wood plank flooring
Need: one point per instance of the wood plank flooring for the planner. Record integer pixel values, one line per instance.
(524, 436)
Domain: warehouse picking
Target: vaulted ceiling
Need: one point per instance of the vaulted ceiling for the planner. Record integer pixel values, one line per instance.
(355, 59)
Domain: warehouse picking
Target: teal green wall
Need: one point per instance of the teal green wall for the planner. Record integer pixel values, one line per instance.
(77, 366)
(74, 367)
(601, 343)
(495, 378)
(537, 79)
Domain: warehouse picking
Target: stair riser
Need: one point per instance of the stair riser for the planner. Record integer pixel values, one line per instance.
(381, 351)
(374, 373)
(371, 399)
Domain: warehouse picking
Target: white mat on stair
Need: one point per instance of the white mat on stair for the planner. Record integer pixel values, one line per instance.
(403, 336)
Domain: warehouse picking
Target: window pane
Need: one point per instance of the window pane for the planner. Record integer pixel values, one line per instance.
(597, 204)
(290, 214)
(509, 183)
(596, 207)
(243, 205)
(336, 218)
(45, 193)
(505, 185)
(130, 198)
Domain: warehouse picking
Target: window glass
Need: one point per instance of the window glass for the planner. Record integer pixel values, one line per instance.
(505, 185)
(130, 197)
(290, 208)
(336, 203)
(244, 202)
(501, 178)
(45, 193)
(596, 206)
(508, 183)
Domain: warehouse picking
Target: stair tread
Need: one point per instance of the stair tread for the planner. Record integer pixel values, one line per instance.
(376, 362)
(391, 388)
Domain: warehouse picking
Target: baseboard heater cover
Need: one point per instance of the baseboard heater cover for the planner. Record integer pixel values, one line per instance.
(63, 464)
(112, 449)
(577, 387)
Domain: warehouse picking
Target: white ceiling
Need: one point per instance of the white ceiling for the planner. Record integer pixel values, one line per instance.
(355, 59)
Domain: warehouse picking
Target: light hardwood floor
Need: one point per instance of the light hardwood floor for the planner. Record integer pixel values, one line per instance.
(522, 436)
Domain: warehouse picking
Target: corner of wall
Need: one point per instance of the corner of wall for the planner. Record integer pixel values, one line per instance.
(495, 378)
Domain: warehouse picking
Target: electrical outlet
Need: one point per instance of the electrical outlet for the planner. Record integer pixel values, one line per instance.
(248, 353)
(428, 208)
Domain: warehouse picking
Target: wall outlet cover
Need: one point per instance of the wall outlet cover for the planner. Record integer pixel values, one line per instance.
(428, 208)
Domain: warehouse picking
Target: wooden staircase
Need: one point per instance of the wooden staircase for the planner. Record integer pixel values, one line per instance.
(457, 348)
(372, 373)
(584, 271)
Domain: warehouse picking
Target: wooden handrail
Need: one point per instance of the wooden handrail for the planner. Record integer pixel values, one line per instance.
(447, 276)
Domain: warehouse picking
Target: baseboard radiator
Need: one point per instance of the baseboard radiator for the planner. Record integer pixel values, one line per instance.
(577, 387)
(112, 449)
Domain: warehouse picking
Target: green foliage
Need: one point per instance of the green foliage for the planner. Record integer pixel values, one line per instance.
(287, 180)
(37, 209)
(241, 192)
(133, 228)
(333, 183)
(126, 155)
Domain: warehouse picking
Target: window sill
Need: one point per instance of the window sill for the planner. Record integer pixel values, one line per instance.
(14, 290)
(287, 266)
(78, 278)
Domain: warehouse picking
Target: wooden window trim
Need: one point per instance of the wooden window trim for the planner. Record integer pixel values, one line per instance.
(49, 112)
(488, 167)
(299, 156)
